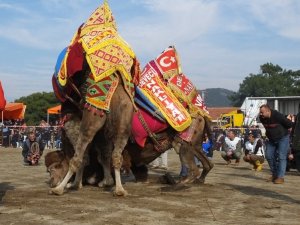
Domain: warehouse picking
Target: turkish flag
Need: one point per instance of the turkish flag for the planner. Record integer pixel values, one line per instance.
(2, 98)
(167, 60)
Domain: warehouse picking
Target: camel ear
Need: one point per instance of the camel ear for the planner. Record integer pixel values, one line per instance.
(61, 155)
(49, 160)
(54, 157)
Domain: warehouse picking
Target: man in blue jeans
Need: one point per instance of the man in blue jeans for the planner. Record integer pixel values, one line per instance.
(277, 131)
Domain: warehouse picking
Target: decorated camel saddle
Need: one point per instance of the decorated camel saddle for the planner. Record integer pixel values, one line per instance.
(98, 45)
(166, 97)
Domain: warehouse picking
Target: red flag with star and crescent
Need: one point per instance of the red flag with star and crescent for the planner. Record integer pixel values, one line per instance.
(168, 63)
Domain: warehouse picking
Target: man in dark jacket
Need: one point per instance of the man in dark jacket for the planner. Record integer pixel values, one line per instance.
(277, 131)
(296, 141)
(32, 149)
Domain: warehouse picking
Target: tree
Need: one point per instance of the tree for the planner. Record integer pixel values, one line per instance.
(272, 81)
(37, 105)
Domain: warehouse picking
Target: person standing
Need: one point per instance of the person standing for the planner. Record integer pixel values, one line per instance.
(296, 141)
(160, 162)
(277, 131)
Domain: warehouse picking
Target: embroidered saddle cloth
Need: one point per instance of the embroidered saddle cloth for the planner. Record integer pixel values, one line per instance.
(98, 42)
(152, 84)
(163, 83)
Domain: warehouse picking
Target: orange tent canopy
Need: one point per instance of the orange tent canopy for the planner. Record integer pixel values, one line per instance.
(14, 111)
(54, 110)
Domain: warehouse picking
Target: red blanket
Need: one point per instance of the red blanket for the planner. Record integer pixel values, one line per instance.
(138, 131)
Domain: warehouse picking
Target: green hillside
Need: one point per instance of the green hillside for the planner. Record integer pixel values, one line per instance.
(217, 97)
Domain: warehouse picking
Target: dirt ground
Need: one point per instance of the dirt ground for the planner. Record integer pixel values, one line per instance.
(231, 195)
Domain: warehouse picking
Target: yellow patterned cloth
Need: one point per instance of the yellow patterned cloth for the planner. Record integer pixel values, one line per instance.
(106, 51)
(99, 93)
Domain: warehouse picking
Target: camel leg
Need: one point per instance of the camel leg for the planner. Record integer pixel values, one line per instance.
(104, 158)
(72, 128)
(206, 163)
(120, 103)
(89, 126)
(77, 183)
(120, 142)
(187, 159)
(117, 159)
(107, 180)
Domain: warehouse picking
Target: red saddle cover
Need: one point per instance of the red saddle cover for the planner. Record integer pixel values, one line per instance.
(138, 131)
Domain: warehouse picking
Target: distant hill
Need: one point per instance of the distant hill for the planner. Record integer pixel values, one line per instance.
(217, 97)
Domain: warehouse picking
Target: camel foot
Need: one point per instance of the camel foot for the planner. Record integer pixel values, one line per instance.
(92, 180)
(106, 183)
(187, 180)
(120, 192)
(74, 186)
(56, 191)
(199, 181)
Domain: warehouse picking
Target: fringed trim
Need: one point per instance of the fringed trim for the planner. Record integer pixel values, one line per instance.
(99, 112)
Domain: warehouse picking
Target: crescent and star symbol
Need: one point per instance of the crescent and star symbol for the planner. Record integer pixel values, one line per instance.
(167, 61)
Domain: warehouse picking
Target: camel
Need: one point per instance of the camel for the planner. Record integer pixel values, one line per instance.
(136, 158)
(57, 162)
(117, 126)
(98, 53)
(94, 74)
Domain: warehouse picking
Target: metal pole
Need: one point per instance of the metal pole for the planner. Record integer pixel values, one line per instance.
(276, 104)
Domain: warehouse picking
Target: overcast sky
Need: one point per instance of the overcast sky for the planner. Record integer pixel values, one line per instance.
(219, 42)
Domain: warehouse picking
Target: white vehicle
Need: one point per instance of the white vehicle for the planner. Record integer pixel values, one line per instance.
(250, 107)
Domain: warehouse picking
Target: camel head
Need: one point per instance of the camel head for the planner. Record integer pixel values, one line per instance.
(57, 172)
(57, 167)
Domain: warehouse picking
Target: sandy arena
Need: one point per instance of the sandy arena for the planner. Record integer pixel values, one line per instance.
(231, 195)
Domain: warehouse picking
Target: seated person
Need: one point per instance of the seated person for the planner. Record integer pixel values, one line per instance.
(232, 148)
(32, 149)
(207, 146)
(254, 151)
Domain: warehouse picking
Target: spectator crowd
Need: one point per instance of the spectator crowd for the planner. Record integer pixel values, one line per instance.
(248, 143)
(14, 133)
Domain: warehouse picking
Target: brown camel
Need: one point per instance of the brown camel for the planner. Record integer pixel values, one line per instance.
(117, 125)
(135, 157)
(57, 162)
(97, 53)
